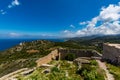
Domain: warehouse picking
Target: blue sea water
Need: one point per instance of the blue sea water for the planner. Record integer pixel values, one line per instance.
(8, 43)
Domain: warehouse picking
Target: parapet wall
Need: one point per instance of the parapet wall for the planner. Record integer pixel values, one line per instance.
(111, 53)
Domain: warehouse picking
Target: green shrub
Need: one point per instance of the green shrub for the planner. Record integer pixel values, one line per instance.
(70, 57)
(90, 73)
(115, 70)
(55, 69)
(93, 62)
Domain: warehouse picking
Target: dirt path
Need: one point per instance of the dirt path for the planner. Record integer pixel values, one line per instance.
(102, 65)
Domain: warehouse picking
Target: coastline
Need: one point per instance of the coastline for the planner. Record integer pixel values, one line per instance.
(8, 43)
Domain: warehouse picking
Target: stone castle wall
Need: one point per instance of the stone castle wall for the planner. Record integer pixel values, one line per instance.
(78, 53)
(111, 53)
(48, 58)
(62, 53)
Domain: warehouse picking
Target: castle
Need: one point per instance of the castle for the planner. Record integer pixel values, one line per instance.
(111, 53)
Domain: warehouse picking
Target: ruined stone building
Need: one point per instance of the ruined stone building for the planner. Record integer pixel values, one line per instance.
(111, 53)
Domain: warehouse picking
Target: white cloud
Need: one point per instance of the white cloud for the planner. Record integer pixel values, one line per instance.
(110, 13)
(18, 35)
(14, 3)
(72, 26)
(83, 23)
(67, 33)
(13, 34)
(106, 23)
(3, 12)
(11, 5)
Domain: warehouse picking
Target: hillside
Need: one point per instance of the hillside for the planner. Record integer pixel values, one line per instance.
(101, 39)
(23, 55)
(94, 42)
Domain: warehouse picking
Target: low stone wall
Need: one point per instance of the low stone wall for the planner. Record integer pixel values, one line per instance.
(48, 58)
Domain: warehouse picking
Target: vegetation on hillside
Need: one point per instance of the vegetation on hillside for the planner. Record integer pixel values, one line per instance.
(65, 70)
(115, 70)
(62, 71)
(89, 42)
(91, 71)
(24, 55)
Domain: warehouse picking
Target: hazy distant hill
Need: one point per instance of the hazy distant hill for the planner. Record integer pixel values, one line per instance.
(91, 40)
(108, 38)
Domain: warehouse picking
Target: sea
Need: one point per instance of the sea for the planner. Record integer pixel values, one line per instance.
(8, 43)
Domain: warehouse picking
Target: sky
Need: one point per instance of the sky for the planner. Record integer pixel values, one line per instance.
(58, 18)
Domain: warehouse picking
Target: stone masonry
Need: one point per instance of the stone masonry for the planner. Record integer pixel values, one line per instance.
(51, 56)
(78, 53)
(111, 53)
